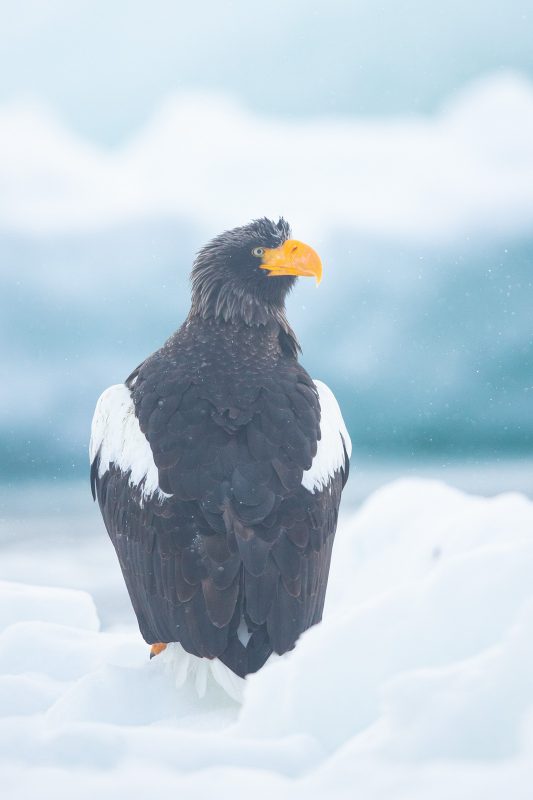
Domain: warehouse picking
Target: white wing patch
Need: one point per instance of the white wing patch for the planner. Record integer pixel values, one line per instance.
(115, 432)
(334, 438)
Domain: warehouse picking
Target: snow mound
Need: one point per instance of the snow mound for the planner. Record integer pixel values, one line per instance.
(416, 685)
(21, 603)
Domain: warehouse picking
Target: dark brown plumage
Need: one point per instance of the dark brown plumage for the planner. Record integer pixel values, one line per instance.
(231, 555)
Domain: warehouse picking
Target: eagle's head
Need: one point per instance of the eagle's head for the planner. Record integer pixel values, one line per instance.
(244, 273)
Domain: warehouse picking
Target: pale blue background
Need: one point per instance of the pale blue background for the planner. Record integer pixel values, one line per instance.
(106, 66)
(426, 343)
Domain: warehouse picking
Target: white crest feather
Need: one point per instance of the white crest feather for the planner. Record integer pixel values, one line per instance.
(334, 438)
(115, 432)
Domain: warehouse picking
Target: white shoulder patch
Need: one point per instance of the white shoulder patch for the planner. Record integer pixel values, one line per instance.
(334, 438)
(115, 432)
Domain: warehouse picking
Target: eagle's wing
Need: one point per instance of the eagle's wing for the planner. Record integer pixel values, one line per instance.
(222, 509)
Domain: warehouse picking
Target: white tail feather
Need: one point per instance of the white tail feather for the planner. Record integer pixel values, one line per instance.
(201, 672)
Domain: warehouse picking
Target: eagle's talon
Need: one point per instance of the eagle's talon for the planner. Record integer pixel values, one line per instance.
(157, 648)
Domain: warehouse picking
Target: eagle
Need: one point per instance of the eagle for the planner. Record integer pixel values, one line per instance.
(219, 463)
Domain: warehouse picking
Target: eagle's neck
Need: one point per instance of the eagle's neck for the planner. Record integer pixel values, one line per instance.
(225, 306)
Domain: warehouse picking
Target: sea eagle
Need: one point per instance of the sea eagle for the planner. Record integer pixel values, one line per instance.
(219, 463)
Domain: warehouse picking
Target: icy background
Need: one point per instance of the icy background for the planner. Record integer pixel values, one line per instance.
(422, 324)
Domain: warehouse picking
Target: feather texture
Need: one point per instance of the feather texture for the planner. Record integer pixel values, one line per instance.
(218, 468)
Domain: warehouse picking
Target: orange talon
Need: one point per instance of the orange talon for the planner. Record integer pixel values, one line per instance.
(157, 648)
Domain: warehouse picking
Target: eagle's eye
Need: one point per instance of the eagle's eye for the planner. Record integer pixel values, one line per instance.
(258, 251)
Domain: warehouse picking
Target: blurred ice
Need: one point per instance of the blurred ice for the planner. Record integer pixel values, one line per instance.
(467, 171)
(422, 325)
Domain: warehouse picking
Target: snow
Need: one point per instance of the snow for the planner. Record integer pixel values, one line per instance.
(21, 603)
(417, 684)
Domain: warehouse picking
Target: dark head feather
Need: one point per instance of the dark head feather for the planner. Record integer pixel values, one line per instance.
(227, 281)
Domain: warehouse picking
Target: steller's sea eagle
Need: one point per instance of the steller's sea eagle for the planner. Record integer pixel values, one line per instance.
(219, 464)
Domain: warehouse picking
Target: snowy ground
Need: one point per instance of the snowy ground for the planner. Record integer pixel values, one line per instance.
(417, 684)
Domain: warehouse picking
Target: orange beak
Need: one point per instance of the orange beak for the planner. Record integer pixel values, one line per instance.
(293, 258)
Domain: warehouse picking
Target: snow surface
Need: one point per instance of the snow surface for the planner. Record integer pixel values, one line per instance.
(417, 684)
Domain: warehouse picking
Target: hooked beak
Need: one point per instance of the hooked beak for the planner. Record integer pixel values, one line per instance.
(293, 258)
